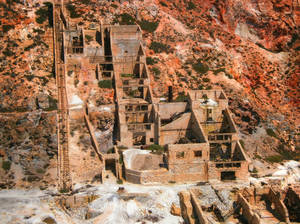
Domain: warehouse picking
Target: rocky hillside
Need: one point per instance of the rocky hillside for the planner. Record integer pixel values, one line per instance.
(28, 145)
(249, 48)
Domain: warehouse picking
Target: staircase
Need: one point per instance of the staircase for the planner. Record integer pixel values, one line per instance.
(64, 176)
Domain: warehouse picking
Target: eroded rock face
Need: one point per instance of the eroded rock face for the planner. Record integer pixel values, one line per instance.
(29, 149)
(175, 210)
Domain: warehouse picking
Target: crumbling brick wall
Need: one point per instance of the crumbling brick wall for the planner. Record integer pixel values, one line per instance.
(279, 205)
(247, 211)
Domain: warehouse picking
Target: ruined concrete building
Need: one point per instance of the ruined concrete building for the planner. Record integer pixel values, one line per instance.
(199, 137)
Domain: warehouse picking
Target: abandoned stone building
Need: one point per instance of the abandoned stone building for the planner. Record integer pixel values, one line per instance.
(199, 137)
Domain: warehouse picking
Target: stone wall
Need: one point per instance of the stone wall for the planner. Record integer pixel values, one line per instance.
(197, 207)
(279, 205)
(166, 110)
(186, 206)
(247, 211)
(241, 173)
(172, 132)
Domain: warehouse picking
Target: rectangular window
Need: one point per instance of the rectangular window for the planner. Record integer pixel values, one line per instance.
(209, 114)
(198, 153)
(179, 155)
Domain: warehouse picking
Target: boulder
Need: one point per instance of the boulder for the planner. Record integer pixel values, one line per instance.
(43, 101)
(175, 210)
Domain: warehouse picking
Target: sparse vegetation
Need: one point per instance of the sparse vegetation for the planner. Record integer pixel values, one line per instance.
(159, 47)
(72, 10)
(181, 97)
(110, 151)
(200, 67)
(40, 170)
(148, 26)
(274, 159)
(114, 6)
(52, 104)
(156, 149)
(64, 190)
(124, 19)
(156, 72)
(76, 82)
(126, 75)
(219, 70)
(151, 61)
(271, 133)
(45, 13)
(190, 5)
(6, 165)
(119, 181)
(229, 75)
(7, 28)
(88, 38)
(163, 4)
(106, 84)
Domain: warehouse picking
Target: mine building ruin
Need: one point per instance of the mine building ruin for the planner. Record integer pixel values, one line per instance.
(199, 137)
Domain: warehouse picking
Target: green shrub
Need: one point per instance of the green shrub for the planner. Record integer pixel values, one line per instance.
(219, 70)
(38, 31)
(159, 47)
(163, 4)
(200, 68)
(76, 81)
(86, 2)
(88, 38)
(148, 26)
(52, 104)
(206, 79)
(106, 84)
(40, 170)
(229, 75)
(114, 6)
(41, 15)
(274, 159)
(151, 61)
(72, 10)
(156, 149)
(242, 143)
(8, 53)
(7, 28)
(156, 71)
(271, 133)
(29, 77)
(6, 165)
(31, 46)
(111, 150)
(45, 13)
(119, 181)
(126, 75)
(191, 5)
(125, 19)
(64, 190)
(181, 97)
